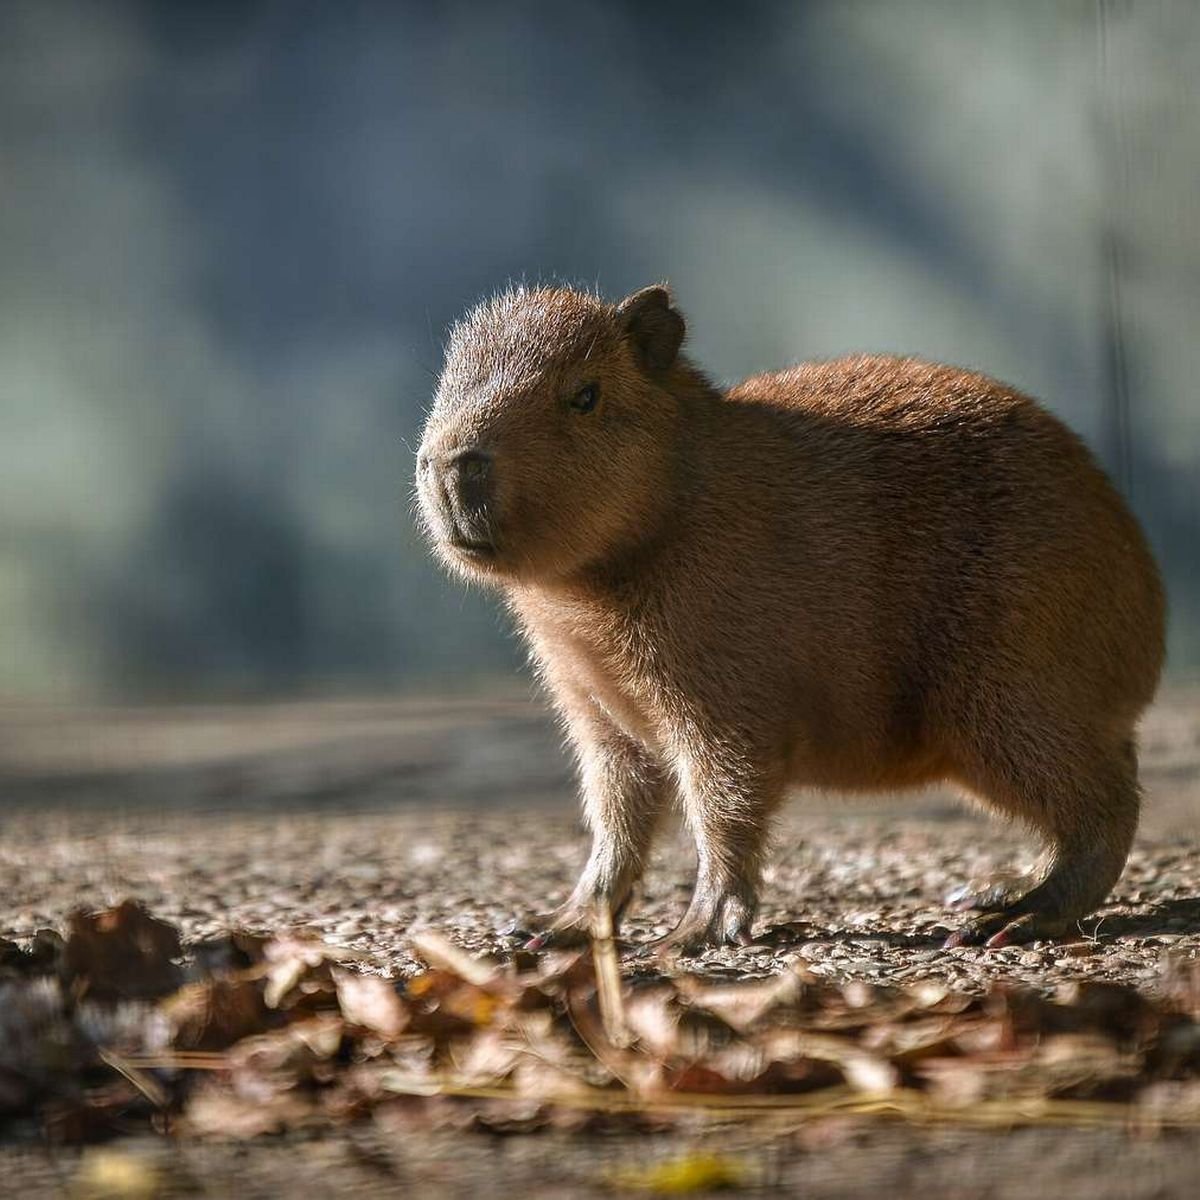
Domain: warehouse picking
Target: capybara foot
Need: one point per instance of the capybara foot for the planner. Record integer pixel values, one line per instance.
(574, 923)
(992, 893)
(1008, 927)
(711, 920)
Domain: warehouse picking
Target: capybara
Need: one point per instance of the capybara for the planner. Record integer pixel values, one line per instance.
(870, 573)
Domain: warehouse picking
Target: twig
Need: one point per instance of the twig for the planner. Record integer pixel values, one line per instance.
(905, 1104)
(608, 980)
(146, 1084)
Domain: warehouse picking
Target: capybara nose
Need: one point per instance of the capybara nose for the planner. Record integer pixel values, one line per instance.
(467, 476)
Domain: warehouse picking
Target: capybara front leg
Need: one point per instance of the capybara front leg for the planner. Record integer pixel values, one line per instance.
(728, 808)
(624, 795)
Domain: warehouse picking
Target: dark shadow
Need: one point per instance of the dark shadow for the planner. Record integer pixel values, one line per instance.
(1171, 916)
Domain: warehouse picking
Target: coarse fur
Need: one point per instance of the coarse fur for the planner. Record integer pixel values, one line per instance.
(870, 573)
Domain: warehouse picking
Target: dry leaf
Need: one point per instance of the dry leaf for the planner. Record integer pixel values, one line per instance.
(682, 1176)
(121, 953)
(215, 1013)
(216, 1111)
(371, 1003)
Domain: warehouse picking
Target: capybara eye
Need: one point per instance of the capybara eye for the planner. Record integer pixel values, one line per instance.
(586, 398)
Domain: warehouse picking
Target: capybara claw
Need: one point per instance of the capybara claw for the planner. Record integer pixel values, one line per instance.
(982, 931)
(998, 929)
(558, 930)
(727, 924)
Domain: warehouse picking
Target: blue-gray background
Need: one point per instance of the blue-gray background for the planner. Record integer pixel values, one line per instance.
(232, 234)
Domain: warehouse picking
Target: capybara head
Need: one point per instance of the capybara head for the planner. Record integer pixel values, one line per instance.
(549, 448)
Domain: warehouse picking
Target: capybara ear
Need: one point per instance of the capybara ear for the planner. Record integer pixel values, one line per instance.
(655, 328)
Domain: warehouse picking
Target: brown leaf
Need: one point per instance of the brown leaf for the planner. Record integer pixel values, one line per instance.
(911, 1041)
(862, 1070)
(488, 1058)
(442, 955)
(1112, 1008)
(217, 1111)
(652, 1015)
(232, 951)
(371, 1003)
(270, 1063)
(299, 973)
(743, 1005)
(215, 1013)
(443, 1004)
(1171, 1101)
(1083, 1066)
(121, 953)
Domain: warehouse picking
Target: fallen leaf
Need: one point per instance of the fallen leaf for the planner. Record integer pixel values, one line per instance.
(215, 1013)
(681, 1176)
(371, 1003)
(121, 953)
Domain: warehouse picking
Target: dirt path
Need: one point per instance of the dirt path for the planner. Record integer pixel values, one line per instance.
(360, 822)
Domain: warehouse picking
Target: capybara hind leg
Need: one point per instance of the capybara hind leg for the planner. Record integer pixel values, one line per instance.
(992, 892)
(1090, 827)
(625, 793)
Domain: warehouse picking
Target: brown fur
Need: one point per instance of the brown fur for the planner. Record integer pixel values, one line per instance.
(868, 573)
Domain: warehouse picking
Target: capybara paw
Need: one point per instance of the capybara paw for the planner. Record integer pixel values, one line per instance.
(1007, 928)
(726, 922)
(991, 894)
(560, 937)
(573, 924)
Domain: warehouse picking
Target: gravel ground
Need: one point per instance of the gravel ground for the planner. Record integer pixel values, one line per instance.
(857, 897)
(360, 821)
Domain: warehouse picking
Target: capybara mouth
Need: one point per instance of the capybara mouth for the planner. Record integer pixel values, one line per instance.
(469, 533)
(475, 549)
(464, 530)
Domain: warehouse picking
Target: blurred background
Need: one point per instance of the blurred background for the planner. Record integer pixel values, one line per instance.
(233, 234)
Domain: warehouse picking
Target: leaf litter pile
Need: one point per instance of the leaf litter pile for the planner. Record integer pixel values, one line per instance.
(118, 1028)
